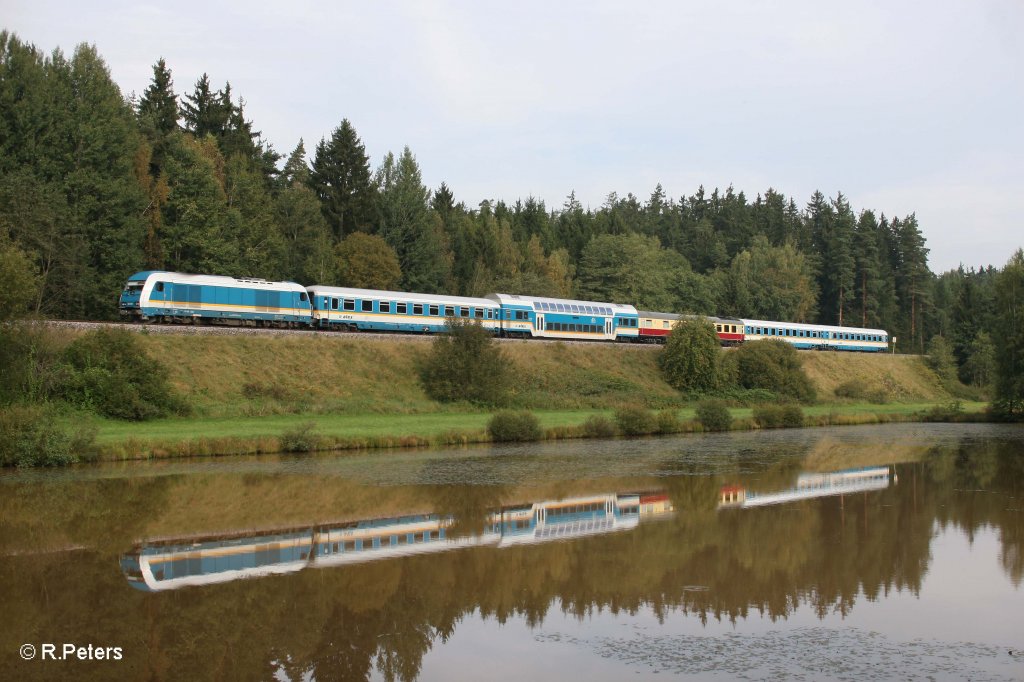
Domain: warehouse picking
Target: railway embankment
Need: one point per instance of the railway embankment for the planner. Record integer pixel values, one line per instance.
(267, 392)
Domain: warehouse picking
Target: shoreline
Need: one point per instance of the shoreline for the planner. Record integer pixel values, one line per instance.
(334, 433)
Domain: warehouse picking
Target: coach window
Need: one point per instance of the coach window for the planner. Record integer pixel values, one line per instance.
(478, 313)
(350, 304)
(367, 306)
(463, 311)
(401, 308)
(334, 304)
(417, 308)
(385, 306)
(434, 310)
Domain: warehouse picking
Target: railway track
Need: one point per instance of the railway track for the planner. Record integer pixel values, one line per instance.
(212, 330)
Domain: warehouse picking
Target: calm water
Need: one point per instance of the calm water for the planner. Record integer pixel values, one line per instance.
(888, 553)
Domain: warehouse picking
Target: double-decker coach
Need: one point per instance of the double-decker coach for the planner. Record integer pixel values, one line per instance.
(556, 318)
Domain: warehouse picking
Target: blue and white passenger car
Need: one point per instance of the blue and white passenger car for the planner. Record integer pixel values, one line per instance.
(177, 297)
(555, 318)
(396, 311)
(817, 336)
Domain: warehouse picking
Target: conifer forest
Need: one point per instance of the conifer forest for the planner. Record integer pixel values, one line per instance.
(96, 184)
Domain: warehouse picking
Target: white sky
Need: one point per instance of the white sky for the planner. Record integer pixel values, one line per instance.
(903, 106)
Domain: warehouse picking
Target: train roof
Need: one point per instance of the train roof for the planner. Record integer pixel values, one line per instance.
(320, 289)
(512, 299)
(215, 280)
(814, 327)
(673, 316)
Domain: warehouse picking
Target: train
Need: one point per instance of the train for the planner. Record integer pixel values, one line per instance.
(156, 296)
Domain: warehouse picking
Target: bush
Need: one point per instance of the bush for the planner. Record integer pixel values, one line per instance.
(778, 416)
(714, 415)
(668, 421)
(690, 358)
(30, 356)
(636, 421)
(29, 436)
(775, 366)
(108, 371)
(465, 363)
(302, 438)
(599, 426)
(856, 389)
(514, 426)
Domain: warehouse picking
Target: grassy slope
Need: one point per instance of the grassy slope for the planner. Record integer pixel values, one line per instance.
(245, 387)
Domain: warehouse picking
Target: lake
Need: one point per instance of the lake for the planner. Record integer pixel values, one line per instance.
(891, 552)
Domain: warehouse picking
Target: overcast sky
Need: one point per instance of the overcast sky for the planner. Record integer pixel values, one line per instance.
(902, 106)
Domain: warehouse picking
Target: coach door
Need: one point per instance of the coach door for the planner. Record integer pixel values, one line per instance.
(540, 324)
(608, 327)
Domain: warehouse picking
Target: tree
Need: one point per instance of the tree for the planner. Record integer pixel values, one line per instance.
(940, 359)
(203, 112)
(979, 368)
(1009, 389)
(309, 252)
(690, 358)
(771, 283)
(416, 235)
(158, 113)
(198, 227)
(19, 284)
(367, 261)
(774, 366)
(465, 363)
(341, 180)
(629, 268)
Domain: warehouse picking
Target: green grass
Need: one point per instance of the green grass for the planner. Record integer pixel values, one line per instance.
(343, 426)
(417, 428)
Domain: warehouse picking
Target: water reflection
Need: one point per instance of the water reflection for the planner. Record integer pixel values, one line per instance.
(172, 564)
(809, 486)
(843, 546)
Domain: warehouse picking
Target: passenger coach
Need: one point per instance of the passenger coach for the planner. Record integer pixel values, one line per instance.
(817, 336)
(655, 327)
(177, 297)
(555, 318)
(395, 311)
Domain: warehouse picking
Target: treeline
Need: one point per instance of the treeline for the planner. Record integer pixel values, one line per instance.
(95, 186)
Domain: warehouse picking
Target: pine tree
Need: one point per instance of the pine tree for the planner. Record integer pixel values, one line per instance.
(203, 112)
(158, 108)
(405, 223)
(341, 179)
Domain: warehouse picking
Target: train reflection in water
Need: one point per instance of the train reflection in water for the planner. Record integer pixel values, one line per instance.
(169, 565)
(809, 486)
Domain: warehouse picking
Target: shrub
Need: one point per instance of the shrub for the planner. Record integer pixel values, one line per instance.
(779, 416)
(303, 438)
(775, 366)
(108, 371)
(465, 363)
(636, 421)
(29, 436)
(514, 426)
(856, 389)
(714, 415)
(668, 421)
(690, 358)
(599, 426)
